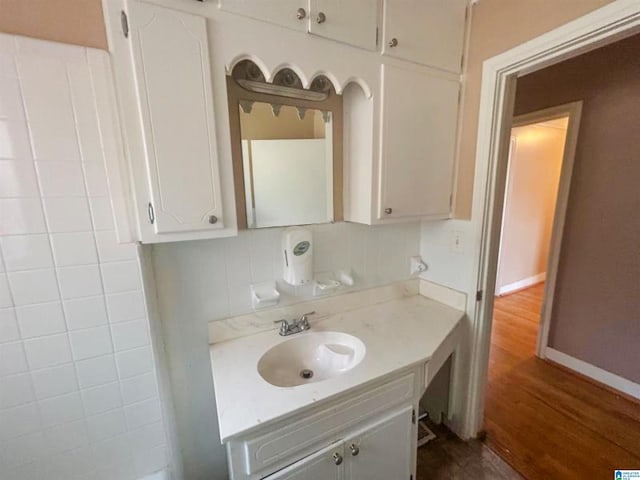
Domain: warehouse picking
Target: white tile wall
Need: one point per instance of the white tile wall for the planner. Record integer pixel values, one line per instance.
(78, 389)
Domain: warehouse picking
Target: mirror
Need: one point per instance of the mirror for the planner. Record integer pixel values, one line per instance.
(287, 149)
(287, 162)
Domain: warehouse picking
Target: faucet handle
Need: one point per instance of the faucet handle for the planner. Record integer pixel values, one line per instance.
(284, 325)
(304, 321)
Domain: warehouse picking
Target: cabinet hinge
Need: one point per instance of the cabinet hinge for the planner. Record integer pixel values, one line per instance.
(151, 213)
(125, 24)
(377, 35)
(479, 295)
(413, 416)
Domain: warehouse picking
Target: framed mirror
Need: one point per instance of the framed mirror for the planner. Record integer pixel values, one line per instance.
(286, 147)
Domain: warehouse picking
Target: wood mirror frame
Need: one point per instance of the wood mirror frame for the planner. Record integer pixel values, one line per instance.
(286, 77)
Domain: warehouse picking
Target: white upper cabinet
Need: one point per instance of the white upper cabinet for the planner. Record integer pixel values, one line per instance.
(418, 138)
(170, 57)
(292, 14)
(430, 32)
(354, 22)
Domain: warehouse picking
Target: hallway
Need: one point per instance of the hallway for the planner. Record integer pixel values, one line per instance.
(543, 420)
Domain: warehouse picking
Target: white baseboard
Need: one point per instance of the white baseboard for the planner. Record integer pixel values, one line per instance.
(520, 284)
(607, 378)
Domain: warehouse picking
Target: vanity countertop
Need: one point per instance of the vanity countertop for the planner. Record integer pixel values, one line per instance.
(397, 334)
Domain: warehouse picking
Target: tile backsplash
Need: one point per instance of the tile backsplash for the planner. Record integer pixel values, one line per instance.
(79, 397)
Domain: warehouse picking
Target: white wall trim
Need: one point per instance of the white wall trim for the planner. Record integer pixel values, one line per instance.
(605, 25)
(521, 284)
(448, 296)
(598, 374)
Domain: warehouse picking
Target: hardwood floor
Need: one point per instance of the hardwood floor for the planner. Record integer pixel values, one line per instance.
(549, 423)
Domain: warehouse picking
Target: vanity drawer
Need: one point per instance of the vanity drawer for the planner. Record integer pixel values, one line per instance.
(309, 433)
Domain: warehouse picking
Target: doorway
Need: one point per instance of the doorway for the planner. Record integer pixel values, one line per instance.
(539, 169)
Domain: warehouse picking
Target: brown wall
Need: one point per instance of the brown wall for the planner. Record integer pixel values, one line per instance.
(596, 312)
(69, 21)
(497, 26)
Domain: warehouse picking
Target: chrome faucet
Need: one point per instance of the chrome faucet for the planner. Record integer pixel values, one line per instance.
(294, 326)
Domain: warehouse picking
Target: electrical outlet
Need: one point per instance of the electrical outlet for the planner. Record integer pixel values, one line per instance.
(457, 241)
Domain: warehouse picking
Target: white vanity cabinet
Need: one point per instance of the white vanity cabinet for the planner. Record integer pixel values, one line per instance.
(430, 32)
(380, 451)
(367, 435)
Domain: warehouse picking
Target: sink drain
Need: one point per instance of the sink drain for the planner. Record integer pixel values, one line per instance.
(306, 373)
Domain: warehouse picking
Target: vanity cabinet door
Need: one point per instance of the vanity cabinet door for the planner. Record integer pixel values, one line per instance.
(327, 464)
(418, 142)
(354, 22)
(430, 32)
(170, 56)
(292, 14)
(383, 450)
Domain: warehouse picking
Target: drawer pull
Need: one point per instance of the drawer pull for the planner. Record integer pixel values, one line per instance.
(337, 458)
(354, 450)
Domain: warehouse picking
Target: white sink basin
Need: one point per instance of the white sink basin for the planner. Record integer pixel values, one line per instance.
(310, 357)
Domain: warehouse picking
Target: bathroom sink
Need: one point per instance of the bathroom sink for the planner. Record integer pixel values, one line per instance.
(310, 357)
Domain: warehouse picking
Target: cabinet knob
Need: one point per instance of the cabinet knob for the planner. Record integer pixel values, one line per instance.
(301, 13)
(321, 18)
(354, 450)
(393, 42)
(213, 219)
(388, 211)
(337, 458)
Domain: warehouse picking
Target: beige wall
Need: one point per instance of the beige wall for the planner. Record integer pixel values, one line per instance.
(68, 21)
(534, 172)
(497, 26)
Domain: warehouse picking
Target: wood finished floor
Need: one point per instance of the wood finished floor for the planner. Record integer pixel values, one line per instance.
(543, 420)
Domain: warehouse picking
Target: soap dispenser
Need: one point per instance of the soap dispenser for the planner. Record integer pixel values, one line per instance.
(297, 252)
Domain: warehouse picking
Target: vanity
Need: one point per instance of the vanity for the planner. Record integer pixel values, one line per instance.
(356, 417)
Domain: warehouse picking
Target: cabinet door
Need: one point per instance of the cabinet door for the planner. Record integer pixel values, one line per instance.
(419, 119)
(327, 464)
(171, 64)
(430, 32)
(285, 13)
(354, 22)
(382, 451)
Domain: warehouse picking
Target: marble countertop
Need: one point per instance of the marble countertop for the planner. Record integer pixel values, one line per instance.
(397, 334)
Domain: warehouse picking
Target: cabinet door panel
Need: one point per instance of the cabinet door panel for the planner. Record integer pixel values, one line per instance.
(318, 466)
(279, 12)
(349, 21)
(171, 62)
(430, 32)
(418, 142)
(383, 450)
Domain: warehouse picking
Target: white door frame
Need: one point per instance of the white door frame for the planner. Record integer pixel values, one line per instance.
(612, 22)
